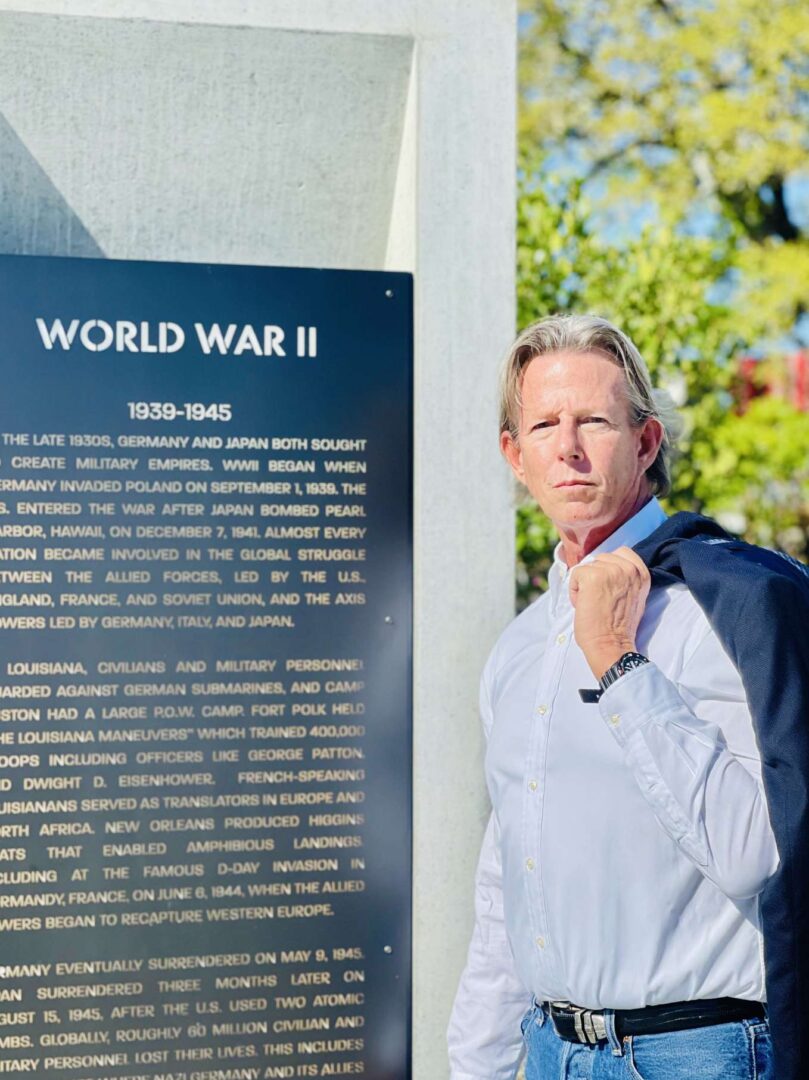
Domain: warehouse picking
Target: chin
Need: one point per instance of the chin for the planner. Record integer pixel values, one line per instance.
(583, 502)
(576, 521)
(573, 514)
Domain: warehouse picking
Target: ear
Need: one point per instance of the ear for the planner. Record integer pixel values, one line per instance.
(651, 436)
(510, 449)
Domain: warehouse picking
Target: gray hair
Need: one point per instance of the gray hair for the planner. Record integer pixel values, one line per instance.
(591, 334)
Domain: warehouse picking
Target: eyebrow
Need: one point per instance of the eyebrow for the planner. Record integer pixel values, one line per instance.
(552, 414)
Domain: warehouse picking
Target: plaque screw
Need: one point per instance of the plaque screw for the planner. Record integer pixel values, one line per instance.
(389, 619)
(389, 293)
(388, 949)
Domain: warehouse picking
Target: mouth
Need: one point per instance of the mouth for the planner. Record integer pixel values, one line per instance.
(574, 483)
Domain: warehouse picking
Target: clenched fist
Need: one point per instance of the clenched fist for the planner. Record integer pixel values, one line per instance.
(609, 595)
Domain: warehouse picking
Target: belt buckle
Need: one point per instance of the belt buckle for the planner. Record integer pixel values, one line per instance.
(590, 1026)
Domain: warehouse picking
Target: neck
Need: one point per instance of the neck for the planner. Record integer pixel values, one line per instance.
(576, 543)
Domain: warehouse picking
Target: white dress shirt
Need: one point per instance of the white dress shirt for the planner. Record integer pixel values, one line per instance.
(628, 840)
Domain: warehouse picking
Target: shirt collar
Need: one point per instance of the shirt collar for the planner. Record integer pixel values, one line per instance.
(637, 528)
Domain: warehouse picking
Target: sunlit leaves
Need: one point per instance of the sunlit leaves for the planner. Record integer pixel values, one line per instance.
(672, 293)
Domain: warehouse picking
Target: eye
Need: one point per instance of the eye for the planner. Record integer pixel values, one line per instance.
(594, 420)
(542, 425)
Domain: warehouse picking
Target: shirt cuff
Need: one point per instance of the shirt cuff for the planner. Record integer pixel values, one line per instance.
(636, 698)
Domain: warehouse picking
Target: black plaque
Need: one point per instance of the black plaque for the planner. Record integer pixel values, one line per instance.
(205, 642)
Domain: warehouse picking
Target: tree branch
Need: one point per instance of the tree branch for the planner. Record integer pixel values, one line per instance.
(761, 218)
(604, 162)
(668, 11)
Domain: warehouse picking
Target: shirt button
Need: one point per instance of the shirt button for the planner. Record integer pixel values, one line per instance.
(541, 942)
(532, 785)
(529, 864)
(561, 639)
(542, 709)
(615, 719)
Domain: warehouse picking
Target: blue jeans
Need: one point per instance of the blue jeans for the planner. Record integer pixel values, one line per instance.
(735, 1051)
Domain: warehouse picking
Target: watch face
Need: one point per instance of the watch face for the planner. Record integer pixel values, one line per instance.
(632, 660)
(627, 662)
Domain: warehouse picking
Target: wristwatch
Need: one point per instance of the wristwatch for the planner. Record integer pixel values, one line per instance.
(628, 662)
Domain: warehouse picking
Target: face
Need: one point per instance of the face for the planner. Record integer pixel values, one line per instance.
(577, 453)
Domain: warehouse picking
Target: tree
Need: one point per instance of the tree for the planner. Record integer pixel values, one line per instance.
(750, 470)
(697, 107)
(690, 117)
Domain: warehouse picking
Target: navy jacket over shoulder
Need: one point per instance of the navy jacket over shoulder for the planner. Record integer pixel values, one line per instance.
(757, 602)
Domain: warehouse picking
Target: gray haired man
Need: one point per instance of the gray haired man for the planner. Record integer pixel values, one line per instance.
(617, 920)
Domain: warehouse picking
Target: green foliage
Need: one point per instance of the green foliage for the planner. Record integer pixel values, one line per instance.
(675, 100)
(751, 470)
(755, 468)
(697, 110)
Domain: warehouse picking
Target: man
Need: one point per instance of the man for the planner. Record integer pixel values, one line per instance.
(617, 893)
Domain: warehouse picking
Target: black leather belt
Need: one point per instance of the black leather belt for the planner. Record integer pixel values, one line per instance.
(589, 1026)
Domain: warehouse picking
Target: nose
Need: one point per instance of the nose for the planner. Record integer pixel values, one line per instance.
(569, 447)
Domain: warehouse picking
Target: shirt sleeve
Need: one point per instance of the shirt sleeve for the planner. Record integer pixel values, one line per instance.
(484, 1029)
(708, 799)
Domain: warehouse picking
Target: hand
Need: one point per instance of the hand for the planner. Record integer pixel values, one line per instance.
(609, 595)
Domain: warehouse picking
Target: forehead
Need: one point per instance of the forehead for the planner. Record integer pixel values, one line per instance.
(572, 379)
